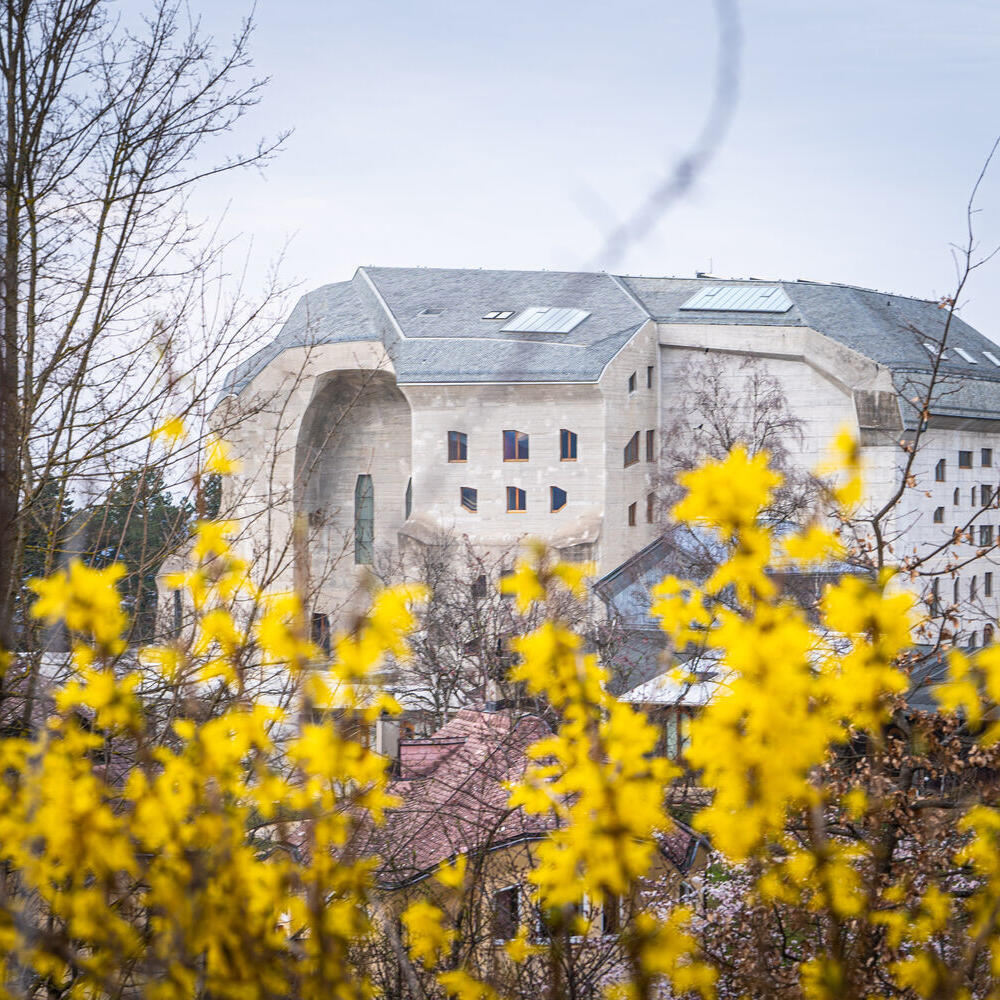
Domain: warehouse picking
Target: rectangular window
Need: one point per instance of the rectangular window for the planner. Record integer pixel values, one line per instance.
(972, 589)
(408, 499)
(506, 918)
(939, 515)
(631, 515)
(631, 383)
(650, 507)
(458, 450)
(631, 455)
(320, 631)
(985, 495)
(516, 499)
(479, 587)
(650, 445)
(935, 597)
(611, 915)
(988, 584)
(986, 534)
(557, 498)
(649, 376)
(954, 498)
(178, 612)
(972, 496)
(469, 498)
(515, 446)
(965, 459)
(986, 457)
(567, 446)
(954, 589)
(939, 471)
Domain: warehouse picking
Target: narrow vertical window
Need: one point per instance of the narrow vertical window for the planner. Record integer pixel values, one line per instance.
(935, 596)
(939, 515)
(631, 515)
(364, 520)
(650, 445)
(320, 631)
(611, 915)
(987, 635)
(972, 589)
(178, 612)
(631, 452)
(469, 499)
(408, 499)
(650, 507)
(506, 916)
(954, 593)
(557, 498)
(939, 471)
(985, 495)
(458, 446)
(985, 534)
(649, 376)
(631, 383)
(567, 446)
(972, 496)
(516, 499)
(515, 446)
(954, 498)
(987, 584)
(986, 457)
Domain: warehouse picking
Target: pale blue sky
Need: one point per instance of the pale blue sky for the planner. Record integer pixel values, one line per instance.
(514, 134)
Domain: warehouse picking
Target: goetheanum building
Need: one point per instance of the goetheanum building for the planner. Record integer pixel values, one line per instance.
(499, 404)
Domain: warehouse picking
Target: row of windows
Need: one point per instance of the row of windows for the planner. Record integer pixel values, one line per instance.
(508, 917)
(957, 589)
(515, 446)
(633, 379)
(633, 510)
(964, 462)
(983, 495)
(631, 452)
(517, 499)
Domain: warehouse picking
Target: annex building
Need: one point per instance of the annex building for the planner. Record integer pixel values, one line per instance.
(499, 404)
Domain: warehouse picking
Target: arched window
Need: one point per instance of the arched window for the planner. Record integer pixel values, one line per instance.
(364, 520)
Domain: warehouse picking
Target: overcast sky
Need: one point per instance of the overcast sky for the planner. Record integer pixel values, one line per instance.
(517, 134)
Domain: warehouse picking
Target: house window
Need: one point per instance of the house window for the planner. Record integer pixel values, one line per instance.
(611, 915)
(972, 496)
(986, 534)
(954, 590)
(935, 597)
(939, 515)
(632, 450)
(516, 499)
(178, 612)
(631, 383)
(631, 515)
(506, 918)
(479, 587)
(557, 498)
(469, 498)
(458, 446)
(650, 445)
(939, 471)
(986, 457)
(649, 376)
(515, 446)
(954, 498)
(985, 495)
(987, 635)
(408, 499)
(320, 631)
(567, 446)
(650, 507)
(965, 459)
(364, 520)
(972, 589)
(988, 584)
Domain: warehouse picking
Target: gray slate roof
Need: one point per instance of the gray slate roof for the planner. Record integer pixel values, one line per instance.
(455, 344)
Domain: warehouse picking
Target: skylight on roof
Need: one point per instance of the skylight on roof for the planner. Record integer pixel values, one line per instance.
(740, 298)
(934, 349)
(966, 355)
(990, 356)
(432, 311)
(546, 319)
(499, 314)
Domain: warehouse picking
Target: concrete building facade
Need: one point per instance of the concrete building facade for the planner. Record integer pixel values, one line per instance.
(502, 404)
